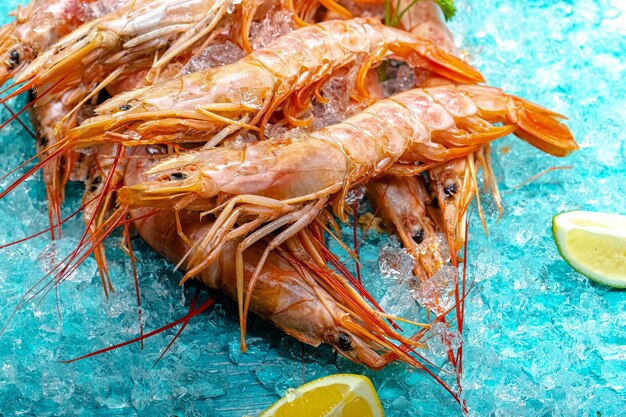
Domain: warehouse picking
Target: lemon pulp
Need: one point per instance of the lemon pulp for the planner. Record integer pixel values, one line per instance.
(342, 395)
(594, 244)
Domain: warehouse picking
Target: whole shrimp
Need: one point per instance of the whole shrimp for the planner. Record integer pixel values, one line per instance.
(285, 294)
(310, 303)
(196, 106)
(284, 183)
(422, 125)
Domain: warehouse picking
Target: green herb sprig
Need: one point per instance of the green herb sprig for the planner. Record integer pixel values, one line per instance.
(392, 18)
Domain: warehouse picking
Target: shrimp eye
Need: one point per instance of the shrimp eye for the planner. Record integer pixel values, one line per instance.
(125, 107)
(177, 176)
(94, 184)
(418, 237)
(43, 141)
(31, 96)
(14, 58)
(450, 190)
(344, 342)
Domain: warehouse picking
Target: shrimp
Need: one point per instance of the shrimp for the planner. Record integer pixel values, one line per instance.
(286, 295)
(40, 24)
(425, 125)
(285, 182)
(196, 106)
(404, 204)
(144, 34)
(311, 304)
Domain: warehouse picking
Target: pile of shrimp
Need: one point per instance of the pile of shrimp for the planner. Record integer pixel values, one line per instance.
(229, 135)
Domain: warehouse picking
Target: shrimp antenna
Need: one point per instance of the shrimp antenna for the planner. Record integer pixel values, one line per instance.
(182, 328)
(128, 248)
(62, 146)
(208, 303)
(16, 117)
(41, 232)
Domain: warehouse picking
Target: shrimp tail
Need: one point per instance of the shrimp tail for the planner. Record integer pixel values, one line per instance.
(540, 127)
(543, 130)
(443, 63)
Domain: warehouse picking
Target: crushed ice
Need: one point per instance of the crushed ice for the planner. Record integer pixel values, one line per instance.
(539, 338)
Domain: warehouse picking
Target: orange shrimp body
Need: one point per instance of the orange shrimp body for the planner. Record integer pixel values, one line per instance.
(422, 125)
(196, 106)
(146, 34)
(40, 24)
(284, 183)
(309, 303)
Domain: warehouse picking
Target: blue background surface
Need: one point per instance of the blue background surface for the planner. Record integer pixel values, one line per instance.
(541, 340)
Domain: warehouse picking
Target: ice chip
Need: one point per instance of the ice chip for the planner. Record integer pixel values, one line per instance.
(394, 262)
(442, 339)
(437, 292)
(355, 195)
(214, 55)
(275, 24)
(400, 77)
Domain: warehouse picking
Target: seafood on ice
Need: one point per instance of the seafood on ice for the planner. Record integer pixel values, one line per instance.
(232, 134)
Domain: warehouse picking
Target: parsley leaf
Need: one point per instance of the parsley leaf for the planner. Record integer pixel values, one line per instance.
(448, 8)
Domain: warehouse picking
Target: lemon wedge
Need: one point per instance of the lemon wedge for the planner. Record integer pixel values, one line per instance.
(342, 395)
(594, 244)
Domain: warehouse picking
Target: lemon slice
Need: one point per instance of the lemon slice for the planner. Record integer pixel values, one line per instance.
(342, 395)
(594, 244)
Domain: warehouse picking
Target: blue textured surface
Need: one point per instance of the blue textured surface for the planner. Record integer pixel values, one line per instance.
(541, 340)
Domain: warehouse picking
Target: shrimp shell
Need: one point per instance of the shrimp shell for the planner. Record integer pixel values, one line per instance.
(294, 296)
(285, 183)
(425, 125)
(195, 106)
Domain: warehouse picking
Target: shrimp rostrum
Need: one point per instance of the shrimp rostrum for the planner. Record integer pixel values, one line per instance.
(197, 106)
(256, 189)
